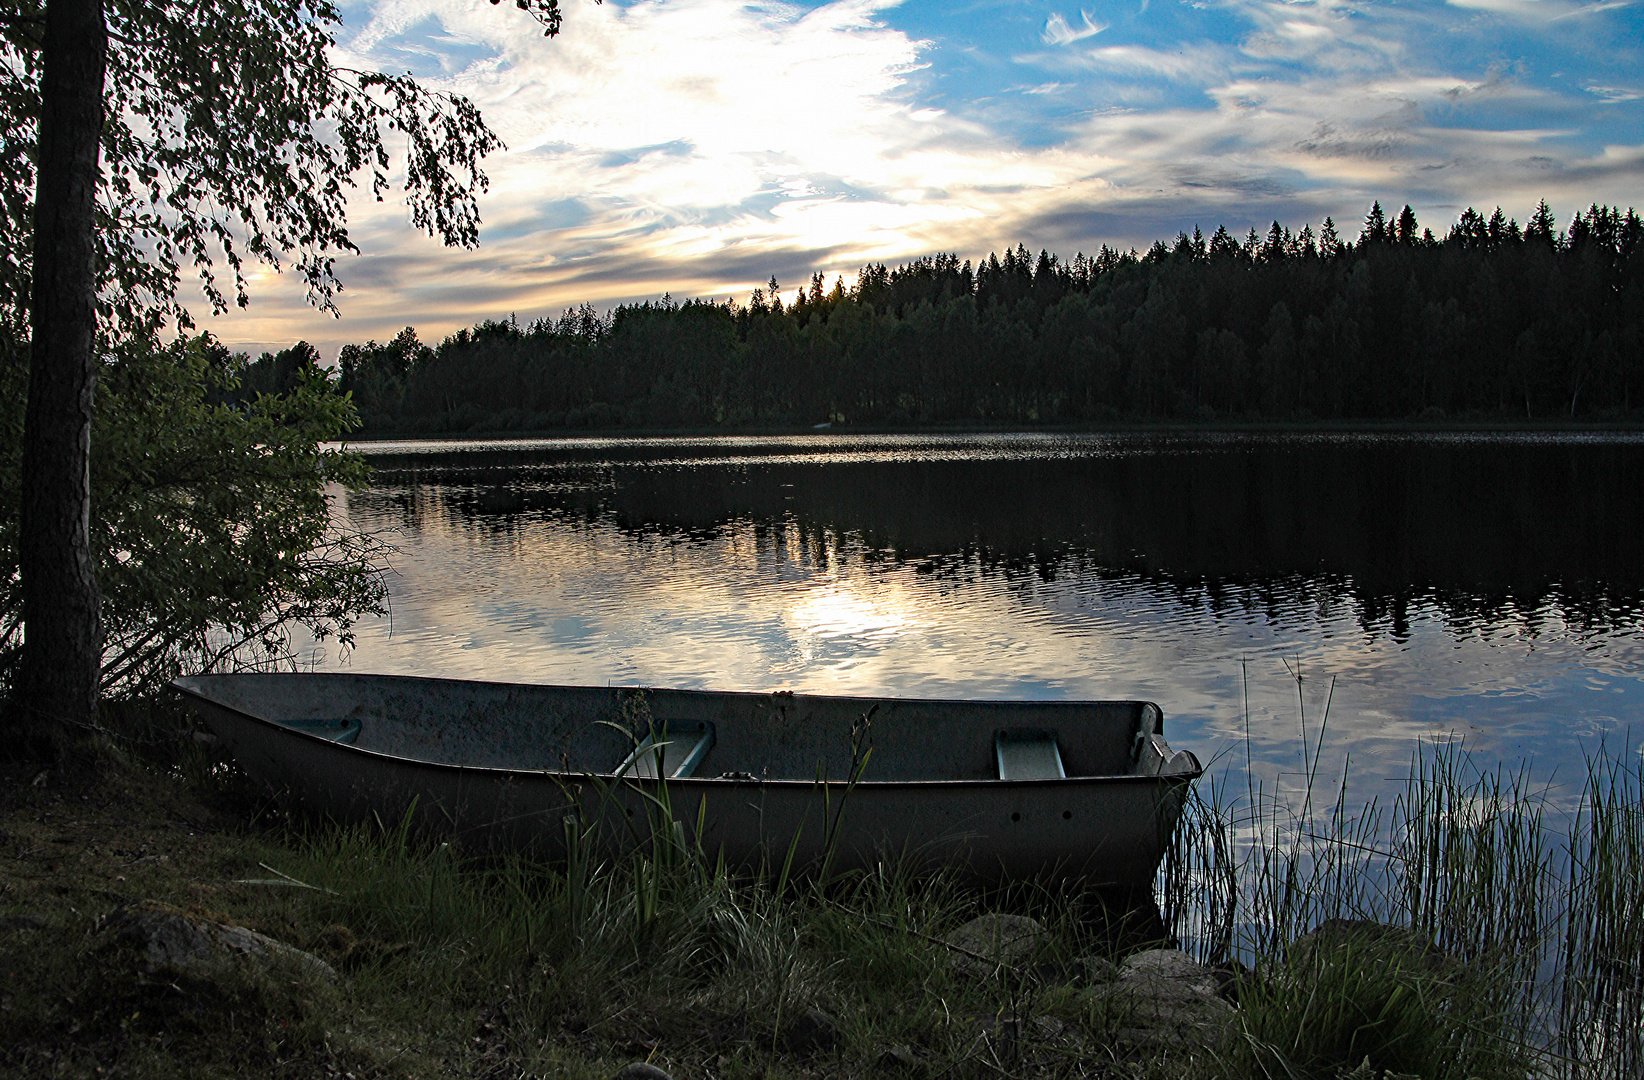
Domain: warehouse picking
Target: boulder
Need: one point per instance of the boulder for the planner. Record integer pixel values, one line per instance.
(1163, 999)
(901, 1058)
(171, 939)
(1168, 973)
(989, 941)
(1366, 939)
(640, 1070)
(812, 1031)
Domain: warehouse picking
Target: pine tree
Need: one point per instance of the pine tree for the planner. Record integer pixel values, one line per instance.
(1470, 230)
(1273, 249)
(1329, 242)
(1375, 226)
(1407, 225)
(1542, 225)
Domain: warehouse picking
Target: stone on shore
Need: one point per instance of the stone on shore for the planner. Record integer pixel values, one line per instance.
(1166, 1000)
(990, 941)
(811, 1032)
(640, 1070)
(170, 939)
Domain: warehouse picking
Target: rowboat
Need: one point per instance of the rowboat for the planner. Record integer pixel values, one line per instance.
(992, 788)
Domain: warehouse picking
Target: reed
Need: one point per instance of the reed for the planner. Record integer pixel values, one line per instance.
(1472, 928)
(1601, 948)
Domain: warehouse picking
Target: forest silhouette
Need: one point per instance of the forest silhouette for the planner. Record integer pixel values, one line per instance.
(1493, 321)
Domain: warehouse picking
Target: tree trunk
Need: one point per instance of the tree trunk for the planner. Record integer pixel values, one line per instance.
(62, 647)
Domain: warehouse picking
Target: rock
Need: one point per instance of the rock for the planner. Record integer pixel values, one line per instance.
(1368, 940)
(1164, 999)
(14, 923)
(902, 1058)
(1230, 975)
(1169, 972)
(640, 1070)
(169, 938)
(1096, 970)
(811, 1032)
(1048, 1028)
(1001, 939)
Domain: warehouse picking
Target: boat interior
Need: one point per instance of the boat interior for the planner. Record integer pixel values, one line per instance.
(679, 734)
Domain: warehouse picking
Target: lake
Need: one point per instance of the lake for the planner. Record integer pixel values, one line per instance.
(1477, 586)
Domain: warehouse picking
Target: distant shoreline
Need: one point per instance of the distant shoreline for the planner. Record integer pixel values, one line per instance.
(1348, 427)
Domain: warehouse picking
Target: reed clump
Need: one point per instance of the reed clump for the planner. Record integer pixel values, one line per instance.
(1476, 927)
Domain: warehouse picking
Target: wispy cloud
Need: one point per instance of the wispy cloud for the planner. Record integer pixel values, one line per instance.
(1058, 31)
(1198, 64)
(1541, 10)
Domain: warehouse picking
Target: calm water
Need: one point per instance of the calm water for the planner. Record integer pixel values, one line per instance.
(1486, 587)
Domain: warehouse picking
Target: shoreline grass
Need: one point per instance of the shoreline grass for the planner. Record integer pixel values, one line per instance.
(1468, 929)
(1458, 934)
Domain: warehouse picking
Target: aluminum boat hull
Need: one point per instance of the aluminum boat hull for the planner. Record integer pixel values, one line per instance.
(512, 767)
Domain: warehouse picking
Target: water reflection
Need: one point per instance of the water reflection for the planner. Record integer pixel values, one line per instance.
(1483, 586)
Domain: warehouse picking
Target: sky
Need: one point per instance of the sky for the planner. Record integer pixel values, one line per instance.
(700, 147)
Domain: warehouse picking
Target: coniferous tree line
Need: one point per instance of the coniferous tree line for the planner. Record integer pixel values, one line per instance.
(1491, 321)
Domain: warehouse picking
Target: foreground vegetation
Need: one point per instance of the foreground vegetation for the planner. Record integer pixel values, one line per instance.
(1498, 927)
(210, 525)
(1497, 950)
(1491, 321)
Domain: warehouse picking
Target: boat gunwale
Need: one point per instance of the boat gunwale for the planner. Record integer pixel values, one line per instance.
(177, 684)
(712, 782)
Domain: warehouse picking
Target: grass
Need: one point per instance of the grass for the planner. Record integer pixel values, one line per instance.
(1471, 938)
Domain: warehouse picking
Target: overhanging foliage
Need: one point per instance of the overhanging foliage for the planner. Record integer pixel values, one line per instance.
(210, 520)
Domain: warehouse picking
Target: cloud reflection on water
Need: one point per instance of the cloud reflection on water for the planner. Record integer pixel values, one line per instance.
(850, 573)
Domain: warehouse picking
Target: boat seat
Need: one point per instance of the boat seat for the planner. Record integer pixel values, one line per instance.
(1028, 755)
(678, 747)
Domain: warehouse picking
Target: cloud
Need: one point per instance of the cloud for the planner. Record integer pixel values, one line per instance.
(698, 146)
(1540, 10)
(1058, 32)
(1199, 64)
